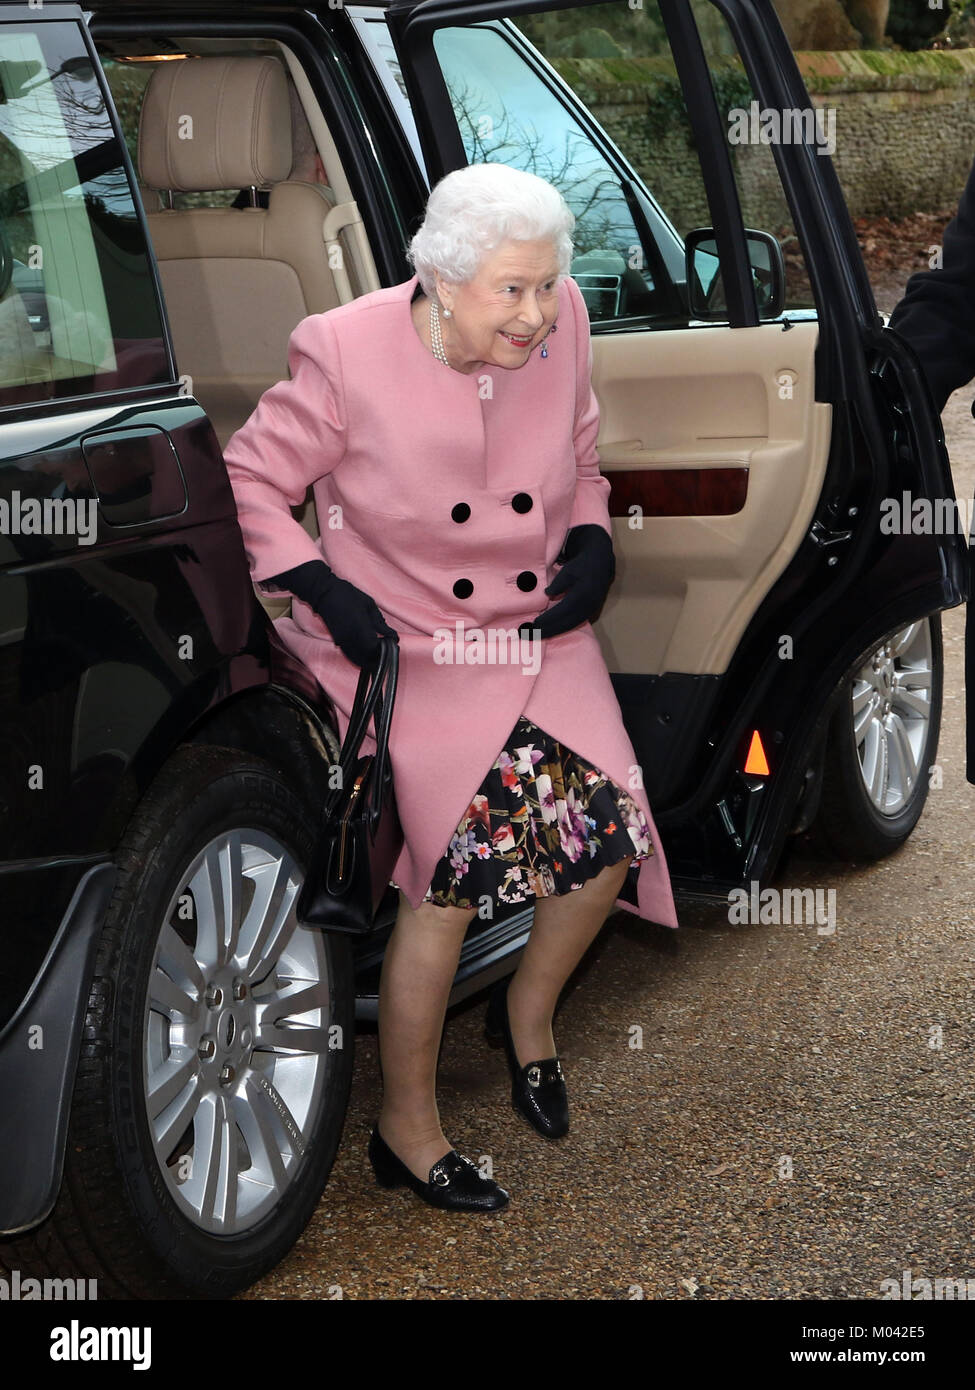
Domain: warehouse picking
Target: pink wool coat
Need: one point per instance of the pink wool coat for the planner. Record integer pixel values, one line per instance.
(392, 440)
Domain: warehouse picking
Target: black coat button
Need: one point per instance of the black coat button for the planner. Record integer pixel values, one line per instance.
(460, 512)
(522, 502)
(526, 580)
(463, 588)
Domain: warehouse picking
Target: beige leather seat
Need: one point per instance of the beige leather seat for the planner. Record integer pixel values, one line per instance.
(236, 280)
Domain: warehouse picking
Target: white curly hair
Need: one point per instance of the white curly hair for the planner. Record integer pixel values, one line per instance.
(472, 210)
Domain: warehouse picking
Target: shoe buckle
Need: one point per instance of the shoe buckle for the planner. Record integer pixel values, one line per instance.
(534, 1074)
(441, 1178)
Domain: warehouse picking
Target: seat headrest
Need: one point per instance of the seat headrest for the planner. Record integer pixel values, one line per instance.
(215, 122)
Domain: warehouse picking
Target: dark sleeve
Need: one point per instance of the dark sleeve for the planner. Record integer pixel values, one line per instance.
(304, 581)
(937, 313)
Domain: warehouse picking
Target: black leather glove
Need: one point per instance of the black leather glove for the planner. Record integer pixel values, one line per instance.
(588, 571)
(352, 617)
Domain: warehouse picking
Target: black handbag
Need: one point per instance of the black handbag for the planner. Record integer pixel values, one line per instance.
(361, 835)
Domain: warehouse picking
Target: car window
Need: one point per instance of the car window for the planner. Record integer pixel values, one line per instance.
(80, 314)
(508, 113)
(378, 43)
(752, 143)
(506, 79)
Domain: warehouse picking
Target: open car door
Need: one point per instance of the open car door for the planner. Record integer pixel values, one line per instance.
(749, 433)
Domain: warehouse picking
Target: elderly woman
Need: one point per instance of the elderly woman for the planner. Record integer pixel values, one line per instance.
(450, 439)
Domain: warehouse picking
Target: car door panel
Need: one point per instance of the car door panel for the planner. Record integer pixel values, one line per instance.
(688, 585)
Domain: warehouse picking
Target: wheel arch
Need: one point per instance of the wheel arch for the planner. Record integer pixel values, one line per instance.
(781, 810)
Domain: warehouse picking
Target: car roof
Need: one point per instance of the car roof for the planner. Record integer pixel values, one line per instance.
(161, 6)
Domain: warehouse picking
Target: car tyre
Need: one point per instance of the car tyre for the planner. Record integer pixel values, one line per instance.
(881, 744)
(121, 1215)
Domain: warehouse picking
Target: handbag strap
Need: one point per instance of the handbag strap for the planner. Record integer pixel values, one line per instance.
(383, 714)
(368, 693)
(368, 704)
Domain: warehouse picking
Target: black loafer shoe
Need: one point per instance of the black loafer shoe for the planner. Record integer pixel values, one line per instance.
(537, 1090)
(455, 1183)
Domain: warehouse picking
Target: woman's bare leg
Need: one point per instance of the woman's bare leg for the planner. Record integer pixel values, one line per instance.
(565, 926)
(418, 970)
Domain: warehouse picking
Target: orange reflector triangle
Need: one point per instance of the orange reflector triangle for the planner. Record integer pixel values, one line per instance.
(756, 760)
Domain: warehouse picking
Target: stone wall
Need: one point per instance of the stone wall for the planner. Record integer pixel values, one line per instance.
(904, 129)
(905, 125)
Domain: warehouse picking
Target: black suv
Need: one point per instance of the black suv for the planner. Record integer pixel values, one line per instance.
(175, 1049)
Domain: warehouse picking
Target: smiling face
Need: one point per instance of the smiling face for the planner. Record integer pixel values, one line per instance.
(505, 311)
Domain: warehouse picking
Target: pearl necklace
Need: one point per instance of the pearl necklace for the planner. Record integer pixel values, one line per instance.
(436, 336)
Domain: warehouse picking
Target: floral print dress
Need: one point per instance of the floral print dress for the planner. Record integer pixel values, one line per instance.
(543, 822)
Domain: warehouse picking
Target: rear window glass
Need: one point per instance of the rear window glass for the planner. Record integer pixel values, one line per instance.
(80, 312)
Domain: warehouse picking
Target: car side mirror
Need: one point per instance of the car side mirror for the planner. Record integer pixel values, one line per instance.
(705, 288)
